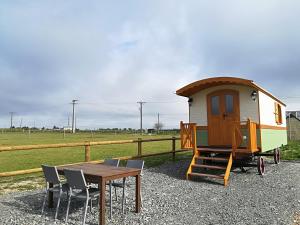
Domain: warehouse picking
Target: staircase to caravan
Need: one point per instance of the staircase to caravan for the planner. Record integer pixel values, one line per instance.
(211, 163)
(206, 162)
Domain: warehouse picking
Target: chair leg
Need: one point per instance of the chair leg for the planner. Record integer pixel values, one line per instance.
(57, 207)
(85, 210)
(91, 205)
(68, 207)
(44, 202)
(116, 194)
(141, 199)
(123, 196)
(110, 201)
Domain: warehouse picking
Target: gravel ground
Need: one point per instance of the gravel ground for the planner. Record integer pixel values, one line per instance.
(169, 199)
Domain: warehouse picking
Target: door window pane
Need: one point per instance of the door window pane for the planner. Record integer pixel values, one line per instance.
(229, 103)
(215, 105)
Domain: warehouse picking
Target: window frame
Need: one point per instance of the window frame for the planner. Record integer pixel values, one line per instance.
(278, 113)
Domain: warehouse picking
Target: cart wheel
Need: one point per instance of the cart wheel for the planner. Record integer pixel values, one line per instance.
(277, 156)
(261, 165)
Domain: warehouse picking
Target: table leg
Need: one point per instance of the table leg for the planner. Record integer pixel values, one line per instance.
(138, 193)
(110, 200)
(102, 202)
(50, 196)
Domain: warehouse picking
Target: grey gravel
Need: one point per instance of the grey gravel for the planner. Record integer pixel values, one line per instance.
(169, 199)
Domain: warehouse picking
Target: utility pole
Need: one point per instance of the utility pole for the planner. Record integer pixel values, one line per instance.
(158, 126)
(141, 115)
(74, 102)
(11, 119)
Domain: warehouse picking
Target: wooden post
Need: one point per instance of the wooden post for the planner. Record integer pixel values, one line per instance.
(139, 147)
(87, 152)
(194, 132)
(138, 193)
(173, 147)
(181, 134)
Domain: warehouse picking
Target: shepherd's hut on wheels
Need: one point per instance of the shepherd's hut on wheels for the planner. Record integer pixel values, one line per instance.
(232, 122)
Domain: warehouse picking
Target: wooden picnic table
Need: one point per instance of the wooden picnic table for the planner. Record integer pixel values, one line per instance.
(100, 174)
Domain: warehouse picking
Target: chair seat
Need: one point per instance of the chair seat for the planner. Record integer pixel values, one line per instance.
(56, 188)
(93, 193)
(120, 185)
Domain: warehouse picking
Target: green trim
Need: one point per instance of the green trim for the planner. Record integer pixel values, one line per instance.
(273, 139)
(202, 137)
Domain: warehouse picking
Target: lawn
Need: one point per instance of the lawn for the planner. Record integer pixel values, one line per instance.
(291, 151)
(19, 160)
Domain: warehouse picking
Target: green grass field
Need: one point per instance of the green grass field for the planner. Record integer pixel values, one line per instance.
(19, 160)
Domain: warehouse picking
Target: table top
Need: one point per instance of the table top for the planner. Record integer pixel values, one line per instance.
(101, 170)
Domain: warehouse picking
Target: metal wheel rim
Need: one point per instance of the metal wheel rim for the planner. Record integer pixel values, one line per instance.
(261, 166)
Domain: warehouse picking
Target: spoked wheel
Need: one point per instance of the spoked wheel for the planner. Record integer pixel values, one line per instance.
(277, 156)
(261, 165)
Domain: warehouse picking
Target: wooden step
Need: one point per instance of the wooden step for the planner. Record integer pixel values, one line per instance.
(215, 150)
(206, 175)
(213, 158)
(209, 167)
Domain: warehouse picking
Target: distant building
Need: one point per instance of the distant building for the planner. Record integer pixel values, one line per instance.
(293, 126)
(67, 128)
(294, 113)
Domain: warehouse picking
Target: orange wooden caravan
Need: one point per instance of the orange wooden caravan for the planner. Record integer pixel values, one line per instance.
(232, 121)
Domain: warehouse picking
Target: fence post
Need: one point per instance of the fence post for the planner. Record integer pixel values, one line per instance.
(87, 152)
(139, 147)
(173, 147)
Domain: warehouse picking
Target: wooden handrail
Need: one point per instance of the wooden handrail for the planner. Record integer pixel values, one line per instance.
(235, 135)
(252, 142)
(188, 135)
(77, 144)
(252, 139)
(228, 168)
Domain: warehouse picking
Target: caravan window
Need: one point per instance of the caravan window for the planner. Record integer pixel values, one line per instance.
(229, 103)
(278, 113)
(215, 105)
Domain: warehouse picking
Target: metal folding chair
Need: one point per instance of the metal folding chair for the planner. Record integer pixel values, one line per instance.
(79, 189)
(111, 162)
(137, 164)
(51, 176)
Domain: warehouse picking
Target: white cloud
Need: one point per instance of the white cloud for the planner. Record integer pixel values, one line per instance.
(110, 55)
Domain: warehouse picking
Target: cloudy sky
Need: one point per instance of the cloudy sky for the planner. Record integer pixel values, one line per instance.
(111, 54)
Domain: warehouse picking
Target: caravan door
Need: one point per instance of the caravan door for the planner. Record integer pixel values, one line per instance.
(222, 110)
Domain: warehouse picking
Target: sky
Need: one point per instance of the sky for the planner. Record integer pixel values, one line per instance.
(111, 54)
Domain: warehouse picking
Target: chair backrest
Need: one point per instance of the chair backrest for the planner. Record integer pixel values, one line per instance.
(112, 162)
(51, 174)
(75, 179)
(137, 164)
